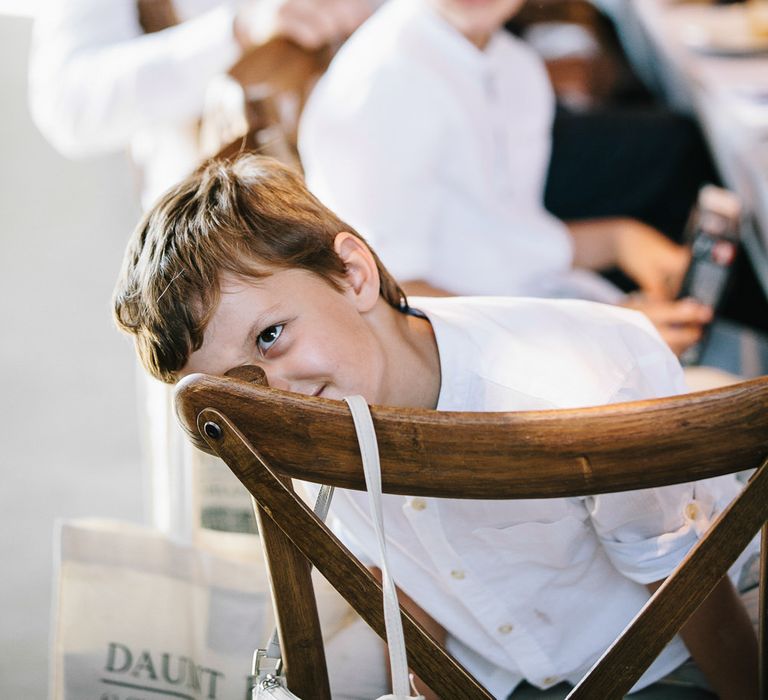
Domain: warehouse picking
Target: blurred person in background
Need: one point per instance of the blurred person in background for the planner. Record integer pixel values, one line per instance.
(109, 75)
(450, 189)
(135, 75)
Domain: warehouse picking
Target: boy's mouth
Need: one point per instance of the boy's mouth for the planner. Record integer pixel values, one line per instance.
(319, 390)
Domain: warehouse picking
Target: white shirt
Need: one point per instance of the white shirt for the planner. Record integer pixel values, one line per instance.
(98, 84)
(437, 153)
(537, 589)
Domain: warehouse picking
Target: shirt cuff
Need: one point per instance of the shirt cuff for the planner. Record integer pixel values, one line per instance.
(650, 559)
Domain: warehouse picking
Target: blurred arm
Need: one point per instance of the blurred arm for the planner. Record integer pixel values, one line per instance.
(95, 78)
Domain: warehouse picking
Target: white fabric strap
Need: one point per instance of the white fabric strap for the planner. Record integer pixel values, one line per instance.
(369, 452)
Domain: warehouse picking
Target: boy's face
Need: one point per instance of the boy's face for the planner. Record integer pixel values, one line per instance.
(477, 19)
(308, 337)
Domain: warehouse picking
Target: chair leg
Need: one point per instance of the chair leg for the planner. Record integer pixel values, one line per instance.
(679, 596)
(301, 641)
(334, 561)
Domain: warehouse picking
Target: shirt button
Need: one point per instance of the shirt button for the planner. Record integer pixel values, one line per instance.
(418, 504)
(457, 574)
(692, 511)
(505, 629)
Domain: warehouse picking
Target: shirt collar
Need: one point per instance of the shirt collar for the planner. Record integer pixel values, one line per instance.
(451, 39)
(452, 344)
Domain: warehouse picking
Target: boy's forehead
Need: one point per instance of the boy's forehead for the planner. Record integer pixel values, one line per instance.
(246, 301)
(247, 305)
(230, 281)
(236, 289)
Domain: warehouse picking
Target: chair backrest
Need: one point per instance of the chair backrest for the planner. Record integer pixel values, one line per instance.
(267, 437)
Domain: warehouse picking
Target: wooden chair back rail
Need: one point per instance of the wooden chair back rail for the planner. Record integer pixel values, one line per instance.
(612, 676)
(298, 527)
(281, 65)
(531, 454)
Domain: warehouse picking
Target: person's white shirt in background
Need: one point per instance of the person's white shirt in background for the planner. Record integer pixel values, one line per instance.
(437, 153)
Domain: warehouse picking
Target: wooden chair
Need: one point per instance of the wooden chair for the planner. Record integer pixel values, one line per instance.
(276, 79)
(268, 437)
(594, 80)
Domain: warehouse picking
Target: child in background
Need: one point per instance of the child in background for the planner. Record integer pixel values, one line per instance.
(239, 265)
(431, 134)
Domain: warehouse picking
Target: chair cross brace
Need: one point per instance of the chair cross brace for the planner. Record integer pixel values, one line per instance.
(294, 537)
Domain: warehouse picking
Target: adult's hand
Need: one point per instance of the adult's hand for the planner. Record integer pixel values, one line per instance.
(654, 262)
(312, 24)
(680, 323)
(650, 259)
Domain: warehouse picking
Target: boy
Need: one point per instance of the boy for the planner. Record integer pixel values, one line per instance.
(239, 264)
(431, 134)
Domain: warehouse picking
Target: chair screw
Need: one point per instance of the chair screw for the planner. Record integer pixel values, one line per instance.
(212, 430)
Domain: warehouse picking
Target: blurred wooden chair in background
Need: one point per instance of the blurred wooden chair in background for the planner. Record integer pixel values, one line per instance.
(582, 53)
(258, 105)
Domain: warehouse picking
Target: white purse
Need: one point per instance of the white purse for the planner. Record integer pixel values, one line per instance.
(270, 684)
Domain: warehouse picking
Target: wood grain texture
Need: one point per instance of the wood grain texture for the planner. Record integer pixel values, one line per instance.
(679, 596)
(344, 572)
(530, 454)
(301, 639)
(271, 435)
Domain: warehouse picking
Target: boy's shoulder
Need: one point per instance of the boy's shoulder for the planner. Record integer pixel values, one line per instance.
(524, 353)
(528, 316)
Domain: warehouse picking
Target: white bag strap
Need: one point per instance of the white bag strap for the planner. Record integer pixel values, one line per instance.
(369, 451)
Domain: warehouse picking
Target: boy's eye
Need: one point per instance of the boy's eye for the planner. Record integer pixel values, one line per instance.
(268, 337)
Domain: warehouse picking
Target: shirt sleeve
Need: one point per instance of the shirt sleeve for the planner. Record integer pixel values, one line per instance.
(95, 78)
(646, 533)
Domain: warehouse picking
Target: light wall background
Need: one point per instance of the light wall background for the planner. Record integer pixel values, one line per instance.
(69, 443)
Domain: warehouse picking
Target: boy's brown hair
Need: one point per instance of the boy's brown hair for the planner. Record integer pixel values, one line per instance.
(241, 216)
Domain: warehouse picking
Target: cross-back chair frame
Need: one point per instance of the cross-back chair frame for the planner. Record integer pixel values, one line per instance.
(269, 437)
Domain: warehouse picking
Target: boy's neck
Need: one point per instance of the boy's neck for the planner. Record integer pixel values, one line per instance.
(413, 360)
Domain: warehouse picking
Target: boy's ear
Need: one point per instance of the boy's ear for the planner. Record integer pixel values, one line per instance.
(362, 275)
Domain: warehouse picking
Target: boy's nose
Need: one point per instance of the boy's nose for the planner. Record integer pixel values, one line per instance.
(279, 381)
(287, 377)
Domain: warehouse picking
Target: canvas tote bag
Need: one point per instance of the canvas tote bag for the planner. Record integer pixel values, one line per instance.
(138, 617)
